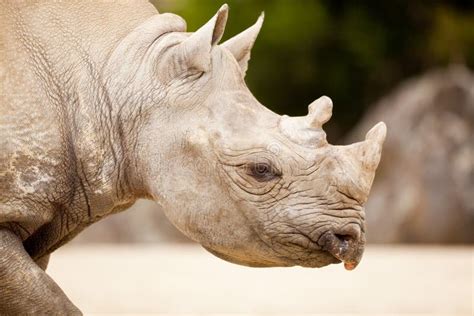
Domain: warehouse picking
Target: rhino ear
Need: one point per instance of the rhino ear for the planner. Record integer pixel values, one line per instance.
(197, 47)
(241, 44)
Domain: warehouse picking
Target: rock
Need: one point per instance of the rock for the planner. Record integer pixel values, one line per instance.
(424, 188)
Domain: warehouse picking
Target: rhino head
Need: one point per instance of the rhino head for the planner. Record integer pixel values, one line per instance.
(253, 187)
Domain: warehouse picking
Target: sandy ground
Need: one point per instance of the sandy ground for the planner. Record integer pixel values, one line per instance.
(185, 279)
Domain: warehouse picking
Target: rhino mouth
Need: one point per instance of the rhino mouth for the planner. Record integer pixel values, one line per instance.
(332, 248)
(344, 248)
(325, 258)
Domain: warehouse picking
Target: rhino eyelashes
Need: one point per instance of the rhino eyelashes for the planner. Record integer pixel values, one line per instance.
(262, 171)
(193, 74)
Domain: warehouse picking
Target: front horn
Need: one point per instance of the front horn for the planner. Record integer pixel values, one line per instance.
(373, 144)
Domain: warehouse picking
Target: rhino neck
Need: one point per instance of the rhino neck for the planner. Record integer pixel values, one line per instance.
(68, 45)
(55, 52)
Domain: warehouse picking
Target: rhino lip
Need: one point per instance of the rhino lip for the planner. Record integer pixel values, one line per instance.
(344, 249)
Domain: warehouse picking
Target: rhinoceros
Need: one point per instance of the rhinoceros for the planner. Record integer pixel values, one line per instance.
(105, 103)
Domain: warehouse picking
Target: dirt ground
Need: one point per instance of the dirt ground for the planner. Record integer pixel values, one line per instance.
(186, 280)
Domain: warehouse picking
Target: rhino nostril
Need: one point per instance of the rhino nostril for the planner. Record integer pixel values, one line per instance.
(344, 238)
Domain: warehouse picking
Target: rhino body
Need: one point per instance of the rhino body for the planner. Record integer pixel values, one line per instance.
(104, 103)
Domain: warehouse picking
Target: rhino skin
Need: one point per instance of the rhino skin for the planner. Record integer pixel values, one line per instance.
(104, 103)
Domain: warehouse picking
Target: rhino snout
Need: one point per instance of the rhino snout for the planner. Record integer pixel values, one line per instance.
(346, 245)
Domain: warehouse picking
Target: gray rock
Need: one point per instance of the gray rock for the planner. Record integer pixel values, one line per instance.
(424, 190)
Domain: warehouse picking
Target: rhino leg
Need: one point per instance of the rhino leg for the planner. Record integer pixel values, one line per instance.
(26, 288)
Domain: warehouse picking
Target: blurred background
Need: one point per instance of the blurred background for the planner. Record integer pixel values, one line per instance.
(408, 63)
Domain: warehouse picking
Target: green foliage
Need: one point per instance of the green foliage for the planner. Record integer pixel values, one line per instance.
(352, 51)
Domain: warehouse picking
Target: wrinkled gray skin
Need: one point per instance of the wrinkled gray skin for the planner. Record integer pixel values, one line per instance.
(105, 103)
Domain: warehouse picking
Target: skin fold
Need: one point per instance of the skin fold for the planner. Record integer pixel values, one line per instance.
(105, 103)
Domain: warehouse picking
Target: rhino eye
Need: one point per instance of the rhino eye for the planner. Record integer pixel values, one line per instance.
(262, 171)
(194, 74)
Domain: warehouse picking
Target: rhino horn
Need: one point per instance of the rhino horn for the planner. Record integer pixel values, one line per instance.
(197, 47)
(372, 146)
(241, 45)
(319, 112)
